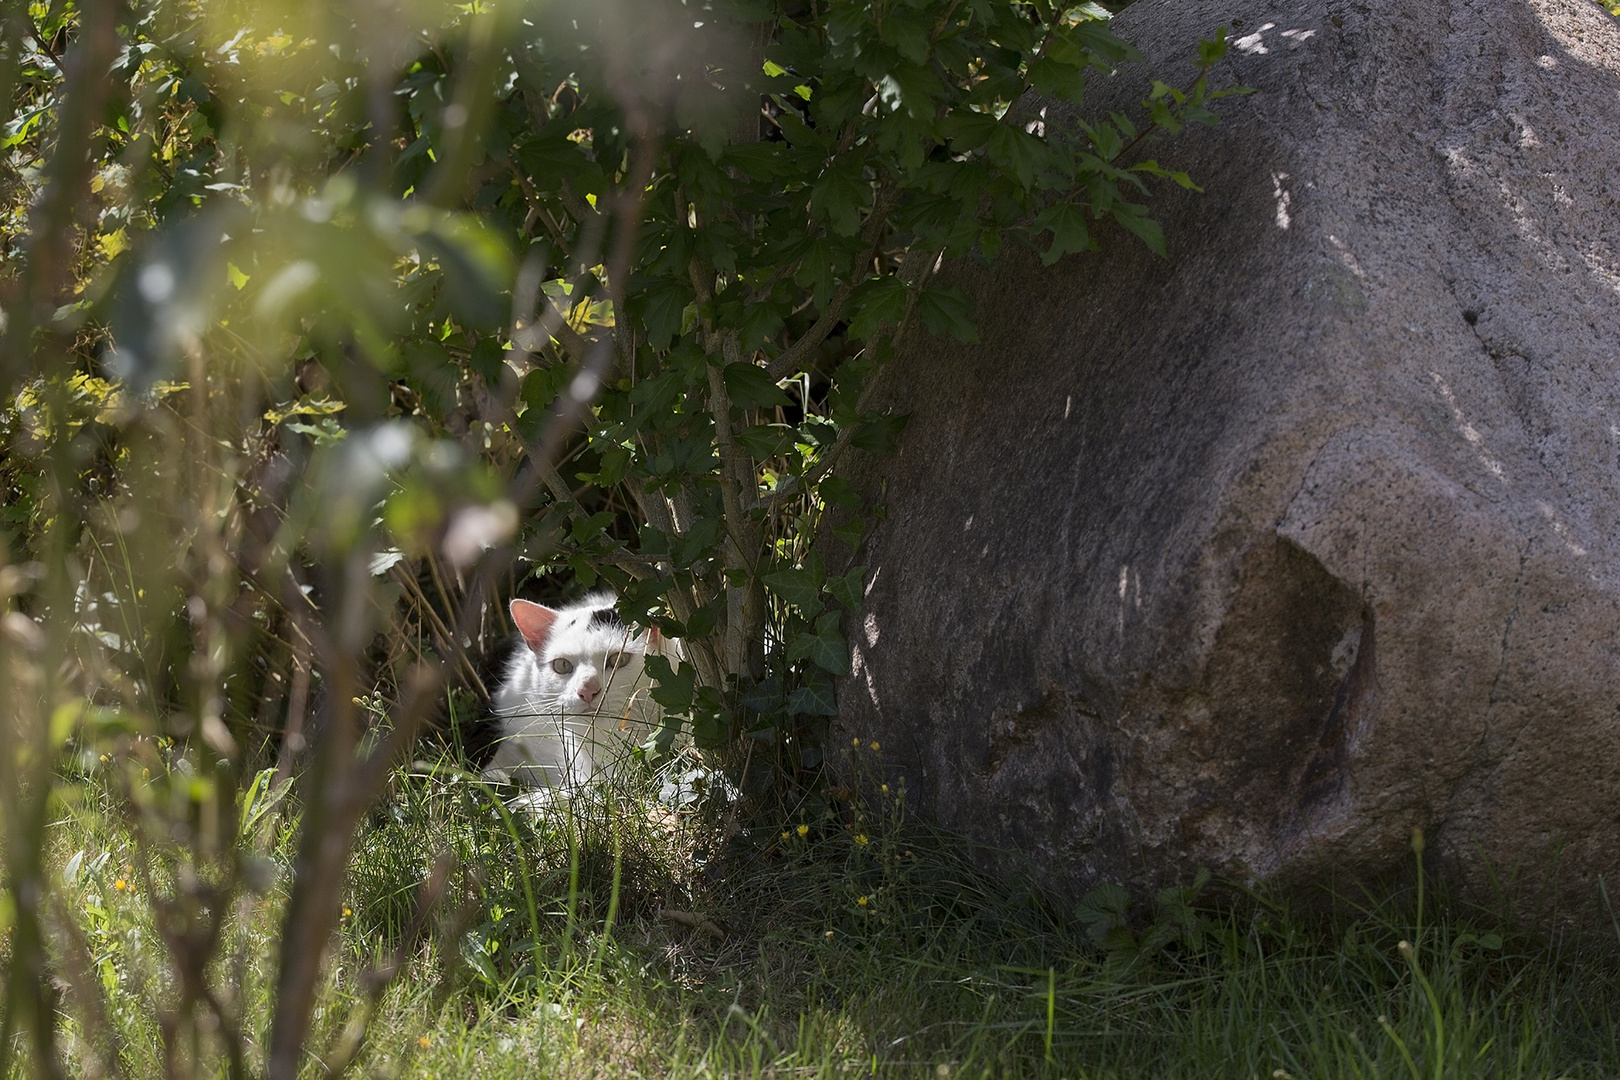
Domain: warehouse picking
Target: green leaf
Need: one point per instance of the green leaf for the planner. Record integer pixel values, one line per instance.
(553, 159)
(1153, 168)
(968, 130)
(1067, 223)
(584, 572)
(764, 696)
(813, 699)
(760, 160)
(1059, 79)
(540, 388)
(946, 310)
(749, 385)
(477, 266)
(672, 687)
(760, 323)
(489, 360)
(702, 536)
(818, 267)
(837, 490)
(1210, 52)
(1106, 140)
(877, 302)
(877, 436)
(830, 652)
(851, 531)
(909, 31)
(798, 587)
(615, 463)
(911, 90)
(847, 588)
(665, 301)
(1016, 149)
(704, 619)
(1095, 37)
(840, 194)
(801, 135)
(825, 647)
(765, 441)
(1134, 217)
(1103, 911)
(1087, 10)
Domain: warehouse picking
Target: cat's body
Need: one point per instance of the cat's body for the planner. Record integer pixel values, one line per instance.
(573, 700)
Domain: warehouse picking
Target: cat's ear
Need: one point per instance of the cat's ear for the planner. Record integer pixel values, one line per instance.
(534, 622)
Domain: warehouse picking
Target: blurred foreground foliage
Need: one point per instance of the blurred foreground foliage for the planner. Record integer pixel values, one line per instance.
(326, 326)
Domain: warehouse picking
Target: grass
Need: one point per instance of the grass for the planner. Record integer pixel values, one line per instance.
(850, 944)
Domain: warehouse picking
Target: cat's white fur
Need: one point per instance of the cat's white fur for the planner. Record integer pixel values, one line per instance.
(573, 701)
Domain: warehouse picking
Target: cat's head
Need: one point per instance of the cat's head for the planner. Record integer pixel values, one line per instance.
(589, 661)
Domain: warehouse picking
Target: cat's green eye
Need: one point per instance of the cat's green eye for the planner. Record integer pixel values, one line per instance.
(616, 659)
(562, 665)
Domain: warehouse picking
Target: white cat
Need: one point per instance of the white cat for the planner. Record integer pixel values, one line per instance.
(574, 700)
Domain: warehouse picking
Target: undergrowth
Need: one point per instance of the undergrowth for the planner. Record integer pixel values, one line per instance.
(624, 935)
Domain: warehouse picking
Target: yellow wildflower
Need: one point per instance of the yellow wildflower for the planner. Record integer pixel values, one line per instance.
(786, 834)
(855, 742)
(120, 884)
(860, 838)
(804, 830)
(875, 745)
(424, 1042)
(347, 912)
(861, 901)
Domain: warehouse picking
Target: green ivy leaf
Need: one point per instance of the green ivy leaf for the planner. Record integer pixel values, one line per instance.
(798, 587)
(813, 699)
(704, 620)
(764, 696)
(830, 652)
(847, 588)
(851, 531)
(691, 547)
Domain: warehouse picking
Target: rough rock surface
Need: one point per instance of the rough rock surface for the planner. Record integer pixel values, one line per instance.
(1258, 557)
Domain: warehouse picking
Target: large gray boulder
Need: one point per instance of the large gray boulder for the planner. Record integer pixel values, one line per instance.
(1260, 557)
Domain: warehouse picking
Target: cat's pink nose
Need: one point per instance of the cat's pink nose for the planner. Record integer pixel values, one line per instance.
(589, 689)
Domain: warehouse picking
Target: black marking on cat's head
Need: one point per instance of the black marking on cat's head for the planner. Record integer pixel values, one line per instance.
(606, 617)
